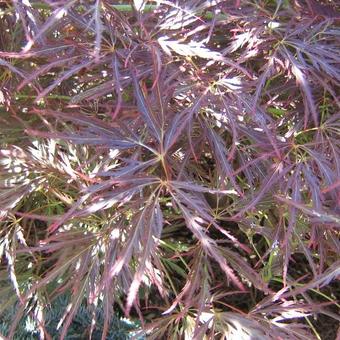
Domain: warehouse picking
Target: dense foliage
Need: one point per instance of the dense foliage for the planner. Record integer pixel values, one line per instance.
(177, 161)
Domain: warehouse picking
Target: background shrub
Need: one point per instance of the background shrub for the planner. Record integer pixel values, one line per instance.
(79, 328)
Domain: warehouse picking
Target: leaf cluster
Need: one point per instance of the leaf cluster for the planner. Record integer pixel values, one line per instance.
(177, 161)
